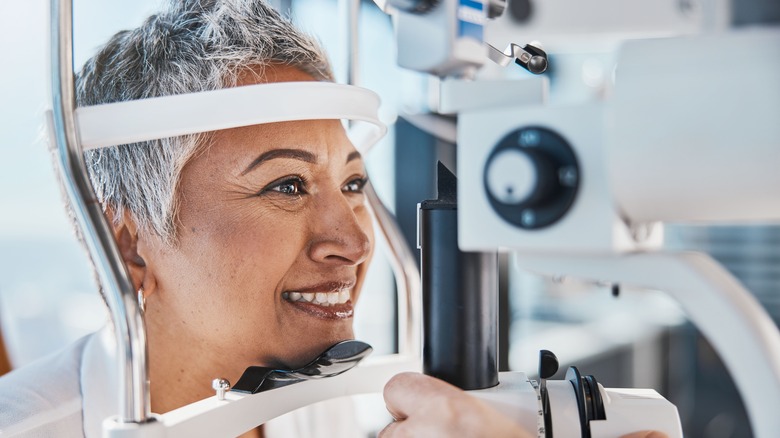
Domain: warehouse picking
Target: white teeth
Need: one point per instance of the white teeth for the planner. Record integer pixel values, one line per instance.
(325, 299)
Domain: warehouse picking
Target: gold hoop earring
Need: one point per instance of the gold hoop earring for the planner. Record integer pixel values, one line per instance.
(141, 300)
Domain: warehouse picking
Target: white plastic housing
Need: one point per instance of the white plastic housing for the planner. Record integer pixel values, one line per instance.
(577, 26)
(515, 397)
(627, 410)
(694, 128)
(431, 43)
(591, 225)
(634, 410)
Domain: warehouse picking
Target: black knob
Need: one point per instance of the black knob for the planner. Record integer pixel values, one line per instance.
(548, 364)
(533, 59)
(520, 10)
(537, 65)
(532, 177)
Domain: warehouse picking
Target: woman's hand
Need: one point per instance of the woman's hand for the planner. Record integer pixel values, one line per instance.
(423, 406)
(427, 407)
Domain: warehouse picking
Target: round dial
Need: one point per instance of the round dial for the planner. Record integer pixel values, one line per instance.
(531, 177)
(512, 177)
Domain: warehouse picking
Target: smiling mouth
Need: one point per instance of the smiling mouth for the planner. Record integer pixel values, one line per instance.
(323, 299)
(331, 300)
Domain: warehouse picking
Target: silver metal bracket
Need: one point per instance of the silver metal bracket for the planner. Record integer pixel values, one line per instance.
(529, 57)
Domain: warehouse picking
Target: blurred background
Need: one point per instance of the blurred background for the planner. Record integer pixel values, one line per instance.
(641, 338)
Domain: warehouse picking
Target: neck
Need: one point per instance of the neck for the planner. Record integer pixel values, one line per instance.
(181, 367)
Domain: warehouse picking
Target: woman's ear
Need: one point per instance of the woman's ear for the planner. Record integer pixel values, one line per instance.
(126, 236)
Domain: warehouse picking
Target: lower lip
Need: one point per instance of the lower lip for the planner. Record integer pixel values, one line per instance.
(333, 312)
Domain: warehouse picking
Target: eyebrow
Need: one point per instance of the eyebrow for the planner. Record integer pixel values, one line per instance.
(295, 154)
(353, 156)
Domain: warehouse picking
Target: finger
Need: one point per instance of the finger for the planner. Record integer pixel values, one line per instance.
(406, 393)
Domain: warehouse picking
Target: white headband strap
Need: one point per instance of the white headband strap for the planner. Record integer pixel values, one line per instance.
(169, 116)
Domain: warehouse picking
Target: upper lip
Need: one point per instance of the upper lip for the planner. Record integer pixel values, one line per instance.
(327, 286)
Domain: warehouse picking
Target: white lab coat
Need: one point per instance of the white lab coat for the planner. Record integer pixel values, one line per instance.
(69, 393)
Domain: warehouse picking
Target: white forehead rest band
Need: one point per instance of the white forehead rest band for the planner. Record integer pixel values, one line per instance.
(170, 116)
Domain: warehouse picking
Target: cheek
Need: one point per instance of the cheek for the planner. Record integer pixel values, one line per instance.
(241, 259)
(259, 253)
(366, 222)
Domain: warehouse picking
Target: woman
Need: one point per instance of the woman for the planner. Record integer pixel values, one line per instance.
(248, 246)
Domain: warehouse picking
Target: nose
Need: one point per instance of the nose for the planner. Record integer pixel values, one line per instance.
(339, 238)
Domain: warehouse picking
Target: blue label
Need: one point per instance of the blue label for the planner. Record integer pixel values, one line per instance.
(472, 4)
(471, 16)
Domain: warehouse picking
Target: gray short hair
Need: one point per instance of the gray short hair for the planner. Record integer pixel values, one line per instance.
(192, 45)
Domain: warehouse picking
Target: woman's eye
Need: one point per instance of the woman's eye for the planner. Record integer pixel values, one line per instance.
(292, 186)
(356, 185)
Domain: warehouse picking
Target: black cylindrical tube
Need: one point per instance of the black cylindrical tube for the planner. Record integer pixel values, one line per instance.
(460, 293)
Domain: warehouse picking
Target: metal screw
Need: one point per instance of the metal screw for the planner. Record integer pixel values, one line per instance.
(221, 386)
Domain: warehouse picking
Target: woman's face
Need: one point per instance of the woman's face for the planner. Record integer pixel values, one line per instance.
(273, 245)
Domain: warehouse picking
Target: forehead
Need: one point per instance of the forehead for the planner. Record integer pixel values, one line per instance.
(324, 138)
(264, 74)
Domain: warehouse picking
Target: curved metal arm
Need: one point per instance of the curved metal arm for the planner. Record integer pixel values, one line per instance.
(407, 277)
(733, 321)
(128, 321)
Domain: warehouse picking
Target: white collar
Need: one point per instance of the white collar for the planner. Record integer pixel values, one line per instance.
(100, 397)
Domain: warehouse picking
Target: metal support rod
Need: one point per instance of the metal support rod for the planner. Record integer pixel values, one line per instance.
(117, 286)
(351, 9)
(407, 278)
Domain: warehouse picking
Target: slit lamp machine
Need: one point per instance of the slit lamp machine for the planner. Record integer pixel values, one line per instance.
(688, 131)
